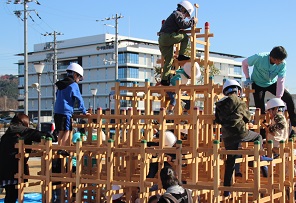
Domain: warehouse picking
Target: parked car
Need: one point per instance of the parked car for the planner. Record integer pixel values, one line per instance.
(47, 127)
(6, 120)
(35, 120)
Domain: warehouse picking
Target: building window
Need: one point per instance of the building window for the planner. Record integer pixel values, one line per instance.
(64, 64)
(152, 60)
(128, 72)
(128, 58)
(145, 59)
(237, 70)
(127, 84)
(89, 61)
(21, 69)
(21, 81)
(98, 60)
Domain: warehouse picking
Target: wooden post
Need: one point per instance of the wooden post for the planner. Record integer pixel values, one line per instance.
(21, 166)
(79, 163)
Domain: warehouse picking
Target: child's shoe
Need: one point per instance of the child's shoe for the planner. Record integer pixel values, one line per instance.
(183, 58)
(226, 193)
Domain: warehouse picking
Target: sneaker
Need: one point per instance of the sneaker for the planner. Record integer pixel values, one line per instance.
(63, 153)
(264, 170)
(185, 113)
(265, 158)
(165, 82)
(238, 174)
(170, 112)
(226, 193)
(292, 134)
(183, 58)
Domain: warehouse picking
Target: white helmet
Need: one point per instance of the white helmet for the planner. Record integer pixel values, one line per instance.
(187, 69)
(274, 102)
(170, 139)
(227, 86)
(188, 6)
(116, 196)
(75, 67)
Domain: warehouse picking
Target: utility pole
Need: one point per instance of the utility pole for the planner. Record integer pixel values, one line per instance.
(18, 14)
(116, 40)
(55, 63)
(26, 102)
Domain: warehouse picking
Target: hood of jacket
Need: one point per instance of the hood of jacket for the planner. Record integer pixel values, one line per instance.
(63, 84)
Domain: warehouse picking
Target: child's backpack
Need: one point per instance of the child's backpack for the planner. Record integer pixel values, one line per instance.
(170, 198)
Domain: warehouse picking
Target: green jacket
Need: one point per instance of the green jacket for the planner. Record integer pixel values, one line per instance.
(232, 113)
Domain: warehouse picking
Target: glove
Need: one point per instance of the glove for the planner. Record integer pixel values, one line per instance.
(247, 83)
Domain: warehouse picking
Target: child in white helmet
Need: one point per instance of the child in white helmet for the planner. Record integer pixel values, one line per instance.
(172, 32)
(68, 93)
(183, 74)
(277, 130)
(232, 113)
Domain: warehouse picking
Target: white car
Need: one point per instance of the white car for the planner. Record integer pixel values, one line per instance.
(35, 120)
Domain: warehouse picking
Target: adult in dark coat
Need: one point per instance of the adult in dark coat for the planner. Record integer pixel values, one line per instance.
(19, 128)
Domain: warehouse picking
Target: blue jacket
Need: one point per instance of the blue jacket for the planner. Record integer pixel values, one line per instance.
(67, 94)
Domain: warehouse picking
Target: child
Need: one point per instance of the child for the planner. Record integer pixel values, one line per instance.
(232, 113)
(19, 128)
(184, 74)
(278, 129)
(67, 94)
(169, 141)
(174, 191)
(172, 33)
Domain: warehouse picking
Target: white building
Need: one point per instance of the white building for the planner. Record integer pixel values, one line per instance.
(136, 61)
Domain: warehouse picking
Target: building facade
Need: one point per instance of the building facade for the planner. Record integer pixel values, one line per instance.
(136, 61)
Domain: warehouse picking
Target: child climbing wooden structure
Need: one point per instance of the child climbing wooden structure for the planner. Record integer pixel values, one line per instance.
(123, 158)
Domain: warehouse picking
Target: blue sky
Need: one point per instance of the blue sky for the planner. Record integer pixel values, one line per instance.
(241, 27)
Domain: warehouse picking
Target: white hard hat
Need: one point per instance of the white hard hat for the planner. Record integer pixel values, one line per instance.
(187, 69)
(75, 67)
(116, 196)
(227, 86)
(274, 102)
(188, 6)
(170, 139)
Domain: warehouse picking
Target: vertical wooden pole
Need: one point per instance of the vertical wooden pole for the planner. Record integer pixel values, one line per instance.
(48, 169)
(21, 166)
(79, 163)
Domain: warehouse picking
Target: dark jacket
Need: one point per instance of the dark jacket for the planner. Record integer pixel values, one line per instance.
(232, 113)
(8, 161)
(175, 22)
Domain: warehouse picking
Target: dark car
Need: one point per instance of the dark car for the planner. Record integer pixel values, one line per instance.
(47, 127)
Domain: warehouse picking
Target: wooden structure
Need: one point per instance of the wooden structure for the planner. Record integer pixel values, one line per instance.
(123, 158)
